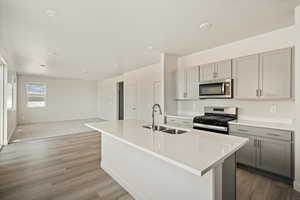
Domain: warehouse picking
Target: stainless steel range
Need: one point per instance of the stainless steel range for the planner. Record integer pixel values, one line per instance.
(215, 119)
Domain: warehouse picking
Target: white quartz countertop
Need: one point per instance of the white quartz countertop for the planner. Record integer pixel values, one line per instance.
(195, 151)
(262, 124)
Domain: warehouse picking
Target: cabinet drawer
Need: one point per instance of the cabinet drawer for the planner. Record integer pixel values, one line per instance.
(249, 130)
(262, 132)
(276, 134)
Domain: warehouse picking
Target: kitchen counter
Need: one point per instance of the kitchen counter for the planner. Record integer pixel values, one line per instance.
(157, 165)
(195, 151)
(262, 124)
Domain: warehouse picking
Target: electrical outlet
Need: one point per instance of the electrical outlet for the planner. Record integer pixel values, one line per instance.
(273, 109)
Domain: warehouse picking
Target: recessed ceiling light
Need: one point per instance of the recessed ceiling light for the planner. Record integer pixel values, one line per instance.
(50, 13)
(43, 65)
(205, 25)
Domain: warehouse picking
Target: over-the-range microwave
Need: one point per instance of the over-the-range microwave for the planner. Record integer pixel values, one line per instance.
(219, 89)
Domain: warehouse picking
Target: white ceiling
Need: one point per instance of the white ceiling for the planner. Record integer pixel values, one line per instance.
(96, 39)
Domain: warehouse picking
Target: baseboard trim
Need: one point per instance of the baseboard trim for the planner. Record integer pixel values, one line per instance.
(105, 166)
(297, 186)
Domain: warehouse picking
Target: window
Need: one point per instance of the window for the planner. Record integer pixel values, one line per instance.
(36, 95)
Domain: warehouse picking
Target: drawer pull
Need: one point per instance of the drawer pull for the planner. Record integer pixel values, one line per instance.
(242, 130)
(273, 134)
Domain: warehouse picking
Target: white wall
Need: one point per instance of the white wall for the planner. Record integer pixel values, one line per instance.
(248, 109)
(67, 99)
(144, 78)
(12, 114)
(297, 94)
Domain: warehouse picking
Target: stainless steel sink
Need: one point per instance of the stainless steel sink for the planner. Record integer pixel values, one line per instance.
(156, 128)
(166, 129)
(174, 131)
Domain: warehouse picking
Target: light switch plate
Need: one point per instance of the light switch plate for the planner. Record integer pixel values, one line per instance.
(273, 108)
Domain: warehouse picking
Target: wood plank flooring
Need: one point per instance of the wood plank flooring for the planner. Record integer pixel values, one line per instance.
(68, 167)
(26, 132)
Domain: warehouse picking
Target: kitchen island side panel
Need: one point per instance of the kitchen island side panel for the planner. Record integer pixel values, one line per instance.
(146, 177)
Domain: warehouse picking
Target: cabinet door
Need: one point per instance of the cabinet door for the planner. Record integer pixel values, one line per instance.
(276, 67)
(274, 156)
(192, 82)
(207, 72)
(246, 77)
(223, 69)
(181, 83)
(247, 154)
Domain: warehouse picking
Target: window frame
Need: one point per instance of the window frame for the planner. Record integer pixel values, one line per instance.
(45, 96)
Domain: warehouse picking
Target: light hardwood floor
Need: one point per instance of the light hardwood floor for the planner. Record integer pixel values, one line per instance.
(67, 167)
(33, 131)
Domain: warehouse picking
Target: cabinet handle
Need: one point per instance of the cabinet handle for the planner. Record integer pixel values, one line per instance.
(273, 134)
(260, 147)
(257, 92)
(260, 92)
(242, 130)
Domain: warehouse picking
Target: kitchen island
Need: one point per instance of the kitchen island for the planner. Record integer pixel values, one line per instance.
(161, 166)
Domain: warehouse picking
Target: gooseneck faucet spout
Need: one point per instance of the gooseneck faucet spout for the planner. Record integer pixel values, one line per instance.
(153, 115)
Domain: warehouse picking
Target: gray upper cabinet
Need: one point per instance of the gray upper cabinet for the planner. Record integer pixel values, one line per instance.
(264, 76)
(187, 82)
(246, 77)
(207, 72)
(223, 69)
(215, 71)
(275, 74)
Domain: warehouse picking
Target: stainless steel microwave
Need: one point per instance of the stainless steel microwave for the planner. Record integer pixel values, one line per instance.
(221, 89)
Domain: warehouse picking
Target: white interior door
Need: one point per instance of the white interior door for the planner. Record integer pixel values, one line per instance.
(131, 101)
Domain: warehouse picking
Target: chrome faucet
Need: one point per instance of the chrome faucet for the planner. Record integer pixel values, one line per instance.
(153, 110)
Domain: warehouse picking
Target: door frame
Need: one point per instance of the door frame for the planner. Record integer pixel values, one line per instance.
(118, 100)
(3, 108)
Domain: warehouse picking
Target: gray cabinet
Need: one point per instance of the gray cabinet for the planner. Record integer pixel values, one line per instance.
(275, 74)
(264, 76)
(268, 149)
(215, 71)
(246, 77)
(187, 82)
(247, 154)
(274, 156)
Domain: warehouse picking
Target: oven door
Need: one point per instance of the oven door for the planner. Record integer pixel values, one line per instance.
(222, 89)
(211, 128)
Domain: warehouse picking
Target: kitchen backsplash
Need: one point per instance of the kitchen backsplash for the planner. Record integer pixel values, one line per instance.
(273, 111)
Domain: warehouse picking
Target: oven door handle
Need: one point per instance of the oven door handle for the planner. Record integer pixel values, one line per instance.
(218, 128)
(223, 88)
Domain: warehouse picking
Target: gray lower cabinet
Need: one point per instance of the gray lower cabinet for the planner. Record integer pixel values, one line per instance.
(274, 156)
(268, 149)
(247, 154)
